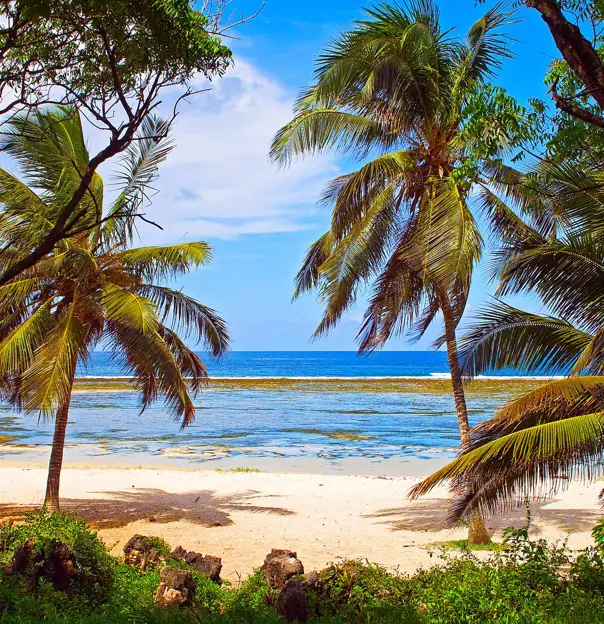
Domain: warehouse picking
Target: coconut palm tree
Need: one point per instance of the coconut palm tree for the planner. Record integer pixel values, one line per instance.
(400, 95)
(556, 251)
(94, 289)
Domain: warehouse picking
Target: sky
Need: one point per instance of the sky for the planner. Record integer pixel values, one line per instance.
(218, 184)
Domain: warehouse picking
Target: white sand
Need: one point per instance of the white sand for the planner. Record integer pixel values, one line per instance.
(241, 516)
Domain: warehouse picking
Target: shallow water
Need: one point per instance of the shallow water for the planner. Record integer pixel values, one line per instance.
(247, 423)
(295, 407)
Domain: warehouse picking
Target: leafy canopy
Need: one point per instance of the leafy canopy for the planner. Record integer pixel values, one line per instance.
(94, 288)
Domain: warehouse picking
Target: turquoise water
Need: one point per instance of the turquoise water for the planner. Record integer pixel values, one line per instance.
(243, 423)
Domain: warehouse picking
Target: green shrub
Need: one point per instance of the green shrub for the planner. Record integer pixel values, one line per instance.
(351, 589)
(598, 534)
(93, 564)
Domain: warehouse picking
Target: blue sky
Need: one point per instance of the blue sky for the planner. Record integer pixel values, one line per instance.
(219, 186)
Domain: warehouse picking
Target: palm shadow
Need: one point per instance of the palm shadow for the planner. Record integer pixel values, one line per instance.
(431, 515)
(117, 509)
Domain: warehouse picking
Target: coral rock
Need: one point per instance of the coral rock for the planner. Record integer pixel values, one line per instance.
(140, 552)
(208, 566)
(292, 603)
(281, 565)
(176, 587)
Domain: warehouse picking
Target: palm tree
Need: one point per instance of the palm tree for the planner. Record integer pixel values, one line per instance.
(399, 91)
(553, 234)
(94, 289)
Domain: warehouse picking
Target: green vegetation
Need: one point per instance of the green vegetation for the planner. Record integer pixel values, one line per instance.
(403, 222)
(529, 581)
(242, 469)
(112, 60)
(95, 287)
(555, 252)
(466, 545)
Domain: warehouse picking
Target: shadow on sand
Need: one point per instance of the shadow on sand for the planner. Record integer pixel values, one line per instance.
(118, 509)
(431, 515)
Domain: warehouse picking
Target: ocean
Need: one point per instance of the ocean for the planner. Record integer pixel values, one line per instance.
(305, 411)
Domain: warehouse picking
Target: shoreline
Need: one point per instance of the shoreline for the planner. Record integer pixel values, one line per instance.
(352, 467)
(241, 516)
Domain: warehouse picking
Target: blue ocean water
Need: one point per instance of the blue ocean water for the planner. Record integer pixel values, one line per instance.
(245, 422)
(238, 364)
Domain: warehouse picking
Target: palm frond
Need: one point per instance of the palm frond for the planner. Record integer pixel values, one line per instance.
(167, 261)
(47, 382)
(189, 317)
(497, 474)
(506, 337)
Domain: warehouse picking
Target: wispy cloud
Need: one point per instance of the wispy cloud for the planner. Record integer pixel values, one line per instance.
(219, 182)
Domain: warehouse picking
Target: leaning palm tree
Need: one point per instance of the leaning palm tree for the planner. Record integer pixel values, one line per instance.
(553, 233)
(397, 89)
(93, 289)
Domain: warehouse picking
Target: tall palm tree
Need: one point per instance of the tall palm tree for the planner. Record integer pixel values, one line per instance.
(94, 289)
(552, 226)
(399, 91)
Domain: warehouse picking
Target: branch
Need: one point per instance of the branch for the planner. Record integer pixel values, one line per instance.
(565, 105)
(576, 50)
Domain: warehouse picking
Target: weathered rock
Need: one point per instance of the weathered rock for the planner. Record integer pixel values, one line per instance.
(25, 558)
(292, 602)
(179, 553)
(208, 566)
(176, 587)
(57, 565)
(310, 579)
(140, 552)
(281, 565)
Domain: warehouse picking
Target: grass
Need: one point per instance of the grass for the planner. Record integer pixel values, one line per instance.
(238, 469)
(463, 544)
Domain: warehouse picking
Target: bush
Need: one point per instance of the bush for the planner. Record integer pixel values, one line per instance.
(44, 532)
(528, 582)
(352, 589)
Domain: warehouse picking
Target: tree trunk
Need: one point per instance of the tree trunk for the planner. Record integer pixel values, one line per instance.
(51, 500)
(477, 532)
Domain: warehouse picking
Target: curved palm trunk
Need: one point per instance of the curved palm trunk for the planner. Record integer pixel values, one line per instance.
(51, 500)
(477, 532)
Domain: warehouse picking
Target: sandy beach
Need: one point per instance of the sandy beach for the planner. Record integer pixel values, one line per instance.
(241, 516)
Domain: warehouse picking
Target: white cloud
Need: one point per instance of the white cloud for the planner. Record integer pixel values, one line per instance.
(219, 182)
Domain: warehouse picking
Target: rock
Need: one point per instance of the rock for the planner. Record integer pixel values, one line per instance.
(292, 602)
(310, 579)
(176, 587)
(25, 558)
(281, 565)
(141, 552)
(179, 553)
(208, 566)
(57, 565)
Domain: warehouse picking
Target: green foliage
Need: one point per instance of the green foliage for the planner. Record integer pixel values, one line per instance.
(81, 44)
(117, 294)
(351, 589)
(598, 534)
(530, 581)
(94, 566)
(428, 118)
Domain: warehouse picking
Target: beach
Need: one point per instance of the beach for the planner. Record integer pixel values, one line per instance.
(241, 516)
